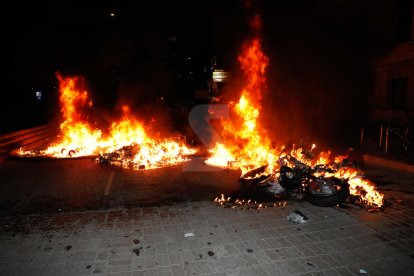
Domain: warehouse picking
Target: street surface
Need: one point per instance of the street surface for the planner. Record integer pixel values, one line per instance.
(75, 217)
(41, 185)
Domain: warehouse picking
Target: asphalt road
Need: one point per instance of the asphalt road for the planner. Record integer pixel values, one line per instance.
(45, 185)
(37, 185)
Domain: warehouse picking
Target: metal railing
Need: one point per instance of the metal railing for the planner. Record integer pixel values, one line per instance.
(388, 136)
(29, 139)
(395, 137)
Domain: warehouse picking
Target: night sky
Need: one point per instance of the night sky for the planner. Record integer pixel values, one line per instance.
(132, 51)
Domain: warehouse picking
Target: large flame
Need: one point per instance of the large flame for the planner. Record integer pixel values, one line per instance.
(246, 145)
(79, 138)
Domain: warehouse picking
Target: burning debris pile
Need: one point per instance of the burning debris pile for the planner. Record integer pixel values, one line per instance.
(147, 156)
(321, 179)
(319, 182)
(127, 143)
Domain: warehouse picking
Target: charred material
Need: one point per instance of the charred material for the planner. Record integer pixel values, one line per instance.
(321, 184)
(70, 153)
(312, 181)
(120, 156)
(251, 178)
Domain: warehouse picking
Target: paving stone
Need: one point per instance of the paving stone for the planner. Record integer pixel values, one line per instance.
(175, 258)
(118, 269)
(165, 271)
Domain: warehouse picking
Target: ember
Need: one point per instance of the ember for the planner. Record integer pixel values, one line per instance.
(127, 144)
(243, 204)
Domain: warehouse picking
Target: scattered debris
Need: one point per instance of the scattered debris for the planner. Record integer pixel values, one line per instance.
(297, 173)
(68, 247)
(186, 235)
(136, 251)
(210, 253)
(274, 187)
(363, 271)
(297, 217)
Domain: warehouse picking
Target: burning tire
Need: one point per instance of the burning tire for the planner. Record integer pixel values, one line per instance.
(326, 192)
(254, 177)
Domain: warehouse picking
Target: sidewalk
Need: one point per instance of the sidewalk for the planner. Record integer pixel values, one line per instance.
(151, 241)
(372, 154)
(389, 162)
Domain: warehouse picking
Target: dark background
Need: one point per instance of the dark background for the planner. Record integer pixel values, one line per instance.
(320, 52)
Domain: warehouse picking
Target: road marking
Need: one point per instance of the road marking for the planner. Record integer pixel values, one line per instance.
(109, 183)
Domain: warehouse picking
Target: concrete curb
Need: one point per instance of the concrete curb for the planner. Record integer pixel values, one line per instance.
(388, 163)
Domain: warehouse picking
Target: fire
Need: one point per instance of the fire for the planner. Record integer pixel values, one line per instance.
(222, 156)
(125, 132)
(228, 202)
(79, 138)
(366, 191)
(358, 186)
(247, 145)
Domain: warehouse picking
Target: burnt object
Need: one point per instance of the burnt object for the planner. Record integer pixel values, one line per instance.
(121, 155)
(255, 176)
